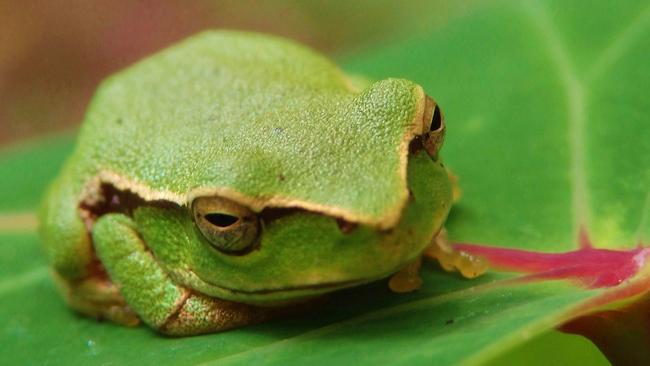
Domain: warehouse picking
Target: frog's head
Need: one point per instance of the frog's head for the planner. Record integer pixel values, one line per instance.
(277, 189)
(362, 217)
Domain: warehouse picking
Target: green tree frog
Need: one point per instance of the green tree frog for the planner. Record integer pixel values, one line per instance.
(234, 175)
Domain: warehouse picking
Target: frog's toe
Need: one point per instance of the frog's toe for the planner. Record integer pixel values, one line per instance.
(407, 279)
(454, 260)
(98, 298)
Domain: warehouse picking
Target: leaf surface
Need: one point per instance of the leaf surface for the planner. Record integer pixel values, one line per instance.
(546, 109)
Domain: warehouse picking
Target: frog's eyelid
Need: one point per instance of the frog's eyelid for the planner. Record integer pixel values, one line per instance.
(227, 226)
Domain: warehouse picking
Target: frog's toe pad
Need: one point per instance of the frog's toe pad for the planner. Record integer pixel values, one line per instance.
(407, 279)
(470, 266)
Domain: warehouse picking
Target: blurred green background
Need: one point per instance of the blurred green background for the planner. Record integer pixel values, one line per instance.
(54, 53)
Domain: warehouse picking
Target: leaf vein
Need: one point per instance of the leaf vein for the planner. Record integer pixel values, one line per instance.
(621, 44)
(577, 112)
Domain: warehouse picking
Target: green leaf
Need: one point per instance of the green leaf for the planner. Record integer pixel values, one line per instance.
(546, 109)
(440, 322)
(552, 348)
(30, 167)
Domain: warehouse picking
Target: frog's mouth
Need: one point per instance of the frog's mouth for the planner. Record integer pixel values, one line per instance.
(283, 296)
(320, 287)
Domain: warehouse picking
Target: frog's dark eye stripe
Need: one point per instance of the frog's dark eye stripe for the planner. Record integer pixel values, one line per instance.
(226, 225)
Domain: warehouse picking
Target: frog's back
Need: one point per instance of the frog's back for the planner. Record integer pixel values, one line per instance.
(236, 111)
(197, 96)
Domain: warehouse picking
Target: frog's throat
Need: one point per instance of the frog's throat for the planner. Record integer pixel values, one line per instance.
(387, 220)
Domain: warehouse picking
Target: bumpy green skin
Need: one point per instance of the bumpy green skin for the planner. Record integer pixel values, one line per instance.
(269, 124)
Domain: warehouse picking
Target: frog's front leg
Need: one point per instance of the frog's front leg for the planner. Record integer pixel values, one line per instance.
(151, 293)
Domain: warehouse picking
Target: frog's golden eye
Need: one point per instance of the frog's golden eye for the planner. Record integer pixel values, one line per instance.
(434, 127)
(228, 226)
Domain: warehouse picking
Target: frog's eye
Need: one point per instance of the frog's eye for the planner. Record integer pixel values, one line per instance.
(436, 120)
(228, 226)
(434, 127)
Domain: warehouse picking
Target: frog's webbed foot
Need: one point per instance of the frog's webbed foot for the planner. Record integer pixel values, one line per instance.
(97, 297)
(454, 260)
